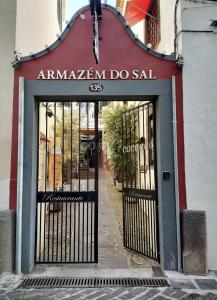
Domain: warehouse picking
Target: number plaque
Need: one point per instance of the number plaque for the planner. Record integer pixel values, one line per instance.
(95, 87)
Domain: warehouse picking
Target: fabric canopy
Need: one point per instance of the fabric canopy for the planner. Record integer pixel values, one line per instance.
(136, 10)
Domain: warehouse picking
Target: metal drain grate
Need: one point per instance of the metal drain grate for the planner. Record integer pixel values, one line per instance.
(57, 282)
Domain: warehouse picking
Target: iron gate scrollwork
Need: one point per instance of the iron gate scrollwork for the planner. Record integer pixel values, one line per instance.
(67, 196)
(140, 216)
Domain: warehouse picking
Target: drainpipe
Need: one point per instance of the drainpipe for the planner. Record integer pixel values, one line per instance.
(178, 231)
(20, 177)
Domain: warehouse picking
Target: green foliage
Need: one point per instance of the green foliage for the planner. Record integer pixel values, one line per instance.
(70, 135)
(112, 120)
(67, 131)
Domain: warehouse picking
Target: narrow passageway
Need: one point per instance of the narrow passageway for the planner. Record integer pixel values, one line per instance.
(114, 259)
(112, 254)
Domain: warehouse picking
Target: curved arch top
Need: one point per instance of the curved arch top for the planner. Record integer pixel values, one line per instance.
(119, 50)
(19, 60)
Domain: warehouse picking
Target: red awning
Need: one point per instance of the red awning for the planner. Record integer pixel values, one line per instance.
(136, 10)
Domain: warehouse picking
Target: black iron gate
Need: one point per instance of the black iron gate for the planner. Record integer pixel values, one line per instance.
(67, 196)
(140, 216)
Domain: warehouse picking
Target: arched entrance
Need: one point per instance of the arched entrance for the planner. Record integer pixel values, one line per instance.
(66, 73)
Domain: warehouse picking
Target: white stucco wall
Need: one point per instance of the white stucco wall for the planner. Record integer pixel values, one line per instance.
(166, 44)
(200, 103)
(7, 36)
(139, 30)
(25, 26)
(37, 25)
(200, 114)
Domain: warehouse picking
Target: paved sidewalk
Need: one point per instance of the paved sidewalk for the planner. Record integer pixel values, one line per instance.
(185, 287)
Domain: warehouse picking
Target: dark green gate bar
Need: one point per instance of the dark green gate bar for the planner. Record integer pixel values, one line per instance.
(139, 165)
(67, 193)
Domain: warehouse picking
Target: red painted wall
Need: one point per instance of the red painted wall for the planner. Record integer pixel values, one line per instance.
(117, 51)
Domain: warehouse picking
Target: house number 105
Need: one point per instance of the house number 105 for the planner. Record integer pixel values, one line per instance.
(95, 87)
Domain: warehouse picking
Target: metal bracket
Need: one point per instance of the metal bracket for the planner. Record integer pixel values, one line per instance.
(96, 12)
